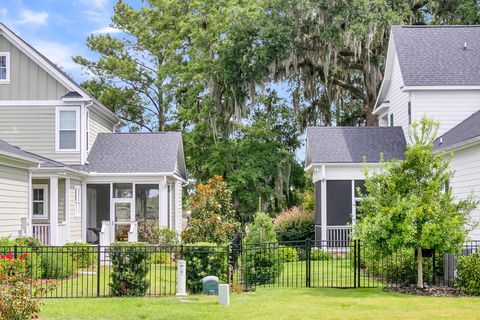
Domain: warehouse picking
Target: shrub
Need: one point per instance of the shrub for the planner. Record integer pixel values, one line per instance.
(56, 265)
(288, 254)
(260, 262)
(317, 254)
(19, 297)
(204, 259)
(27, 242)
(82, 253)
(468, 274)
(152, 233)
(130, 268)
(295, 224)
(161, 258)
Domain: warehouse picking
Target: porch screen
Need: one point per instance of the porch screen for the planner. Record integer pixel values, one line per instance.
(339, 202)
(146, 201)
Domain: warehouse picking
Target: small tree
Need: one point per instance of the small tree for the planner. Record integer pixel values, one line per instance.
(212, 217)
(408, 204)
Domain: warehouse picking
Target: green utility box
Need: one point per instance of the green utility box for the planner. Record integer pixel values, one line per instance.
(210, 285)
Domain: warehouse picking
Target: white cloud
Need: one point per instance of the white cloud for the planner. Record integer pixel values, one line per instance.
(58, 53)
(3, 12)
(32, 17)
(99, 4)
(107, 30)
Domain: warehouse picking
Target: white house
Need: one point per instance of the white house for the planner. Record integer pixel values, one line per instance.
(431, 71)
(65, 173)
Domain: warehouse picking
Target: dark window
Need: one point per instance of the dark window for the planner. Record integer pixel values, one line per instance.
(339, 202)
(409, 112)
(391, 120)
(360, 184)
(358, 212)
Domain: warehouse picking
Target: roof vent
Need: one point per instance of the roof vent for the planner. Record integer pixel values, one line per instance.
(465, 46)
(441, 140)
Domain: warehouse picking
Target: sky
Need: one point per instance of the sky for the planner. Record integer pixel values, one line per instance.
(59, 28)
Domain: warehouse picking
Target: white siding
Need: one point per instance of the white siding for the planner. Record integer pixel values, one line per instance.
(32, 128)
(75, 222)
(449, 107)
(465, 163)
(398, 99)
(13, 199)
(97, 124)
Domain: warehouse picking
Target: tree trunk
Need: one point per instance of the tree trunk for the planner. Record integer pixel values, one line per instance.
(419, 268)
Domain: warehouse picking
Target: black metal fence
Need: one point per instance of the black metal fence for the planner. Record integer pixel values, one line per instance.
(86, 271)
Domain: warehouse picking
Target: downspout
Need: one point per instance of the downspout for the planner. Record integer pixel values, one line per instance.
(84, 151)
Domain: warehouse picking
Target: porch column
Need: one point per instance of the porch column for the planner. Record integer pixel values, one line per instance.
(178, 206)
(53, 211)
(323, 207)
(30, 205)
(163, 203)
(67, 209)
(83, 211)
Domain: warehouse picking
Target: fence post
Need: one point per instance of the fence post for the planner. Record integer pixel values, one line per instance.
(355, 263)
(307, 261)
(228, 263)
(15, 250)
(99, 251)
(433, 271)
(358, 263)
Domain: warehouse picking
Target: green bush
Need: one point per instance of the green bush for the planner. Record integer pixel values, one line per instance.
(161, 258)
(260, 260)
(317, 254)
(130, 268)
(152, 233)
(82, 253)
(55, 265)
(468, 274)
(204, 259)
(27, 242)
(288, 254)
(295, 224)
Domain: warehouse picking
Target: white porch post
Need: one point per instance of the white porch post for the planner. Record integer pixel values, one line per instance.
(54, 211)
(83, 211)
(323, 207)
(30, 206)
(67, 209)
(178, 207)
(163, 203)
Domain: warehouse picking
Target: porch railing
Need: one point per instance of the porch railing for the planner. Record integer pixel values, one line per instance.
(41, 232)
(338, 234)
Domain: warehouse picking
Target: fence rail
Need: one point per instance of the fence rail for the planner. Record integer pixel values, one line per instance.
(89, 271)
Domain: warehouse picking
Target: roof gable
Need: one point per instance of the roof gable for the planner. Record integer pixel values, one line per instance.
(438, 55)
(354, 144)
(137, 153)
(462, 133)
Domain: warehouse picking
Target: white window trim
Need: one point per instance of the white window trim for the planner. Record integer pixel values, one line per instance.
(57, 129)
(45, 201)
(87, 135)
(7, 80)
(78, 201)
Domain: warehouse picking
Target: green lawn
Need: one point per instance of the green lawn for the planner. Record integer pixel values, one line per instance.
(270, 303)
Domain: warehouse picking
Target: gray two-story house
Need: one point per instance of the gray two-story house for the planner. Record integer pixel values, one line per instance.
(66, 173)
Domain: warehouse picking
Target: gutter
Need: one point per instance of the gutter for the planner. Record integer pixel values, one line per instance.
(459, 145)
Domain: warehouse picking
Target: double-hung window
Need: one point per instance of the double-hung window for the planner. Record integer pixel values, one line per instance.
(68, 129)
(40, 201)
(4, 67)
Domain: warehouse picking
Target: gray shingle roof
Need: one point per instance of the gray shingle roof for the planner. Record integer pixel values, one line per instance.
(134, 153)
(465, 130)
(11, 149)
(354, 144)
(435, 55)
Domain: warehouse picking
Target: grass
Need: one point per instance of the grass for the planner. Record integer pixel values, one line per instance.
(270, 303)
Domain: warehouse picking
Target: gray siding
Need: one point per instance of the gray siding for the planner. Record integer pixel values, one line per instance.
(97, 124)
(13, 199)
(32, 128)
(28, 81)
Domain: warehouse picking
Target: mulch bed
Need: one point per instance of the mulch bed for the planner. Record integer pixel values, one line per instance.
(430, 291)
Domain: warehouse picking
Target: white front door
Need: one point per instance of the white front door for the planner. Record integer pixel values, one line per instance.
(122, 217)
